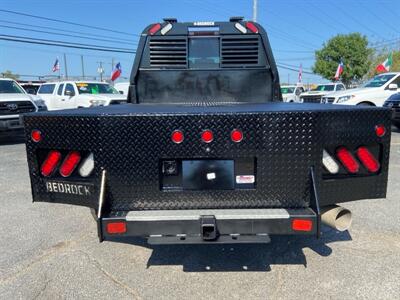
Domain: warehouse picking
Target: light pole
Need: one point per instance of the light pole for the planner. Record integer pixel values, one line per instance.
(254, 10)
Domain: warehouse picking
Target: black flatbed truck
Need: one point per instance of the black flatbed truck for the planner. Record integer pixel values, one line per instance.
(206, 152)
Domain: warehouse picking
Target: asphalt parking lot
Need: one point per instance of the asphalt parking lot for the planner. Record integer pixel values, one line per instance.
(51, 251)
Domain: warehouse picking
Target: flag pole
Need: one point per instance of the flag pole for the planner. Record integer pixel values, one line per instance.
(59, 69)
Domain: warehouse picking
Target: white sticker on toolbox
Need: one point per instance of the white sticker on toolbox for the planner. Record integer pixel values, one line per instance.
(211, 176)
(242, 179)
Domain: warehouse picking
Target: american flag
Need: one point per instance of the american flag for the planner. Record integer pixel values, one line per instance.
(56, 65)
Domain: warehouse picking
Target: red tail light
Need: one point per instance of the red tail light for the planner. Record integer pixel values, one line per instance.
(116, 227)
(51, 162)
(302, 225)
(368, 160)
(237, 135)
(36, 135)
(70, 163)
(177, 136)
(380, 130)
(253, 28)
(347, 159)
(207, 136)
(154, 28)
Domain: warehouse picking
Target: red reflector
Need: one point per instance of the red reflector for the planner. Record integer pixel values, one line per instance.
(70, 163)
(50, 163)
(367, 159)
(207, 136)
(116, 227)
(380, 130)
(347, 159)
(236, 135)
(36, 135)
(154, 28)
(302, 225)
(177, 136)
(251, 27)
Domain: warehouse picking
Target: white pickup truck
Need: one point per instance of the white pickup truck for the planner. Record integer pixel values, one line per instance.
(315, 95)
(77, 94)
(291, 93)
(374, 92)
(13, 102)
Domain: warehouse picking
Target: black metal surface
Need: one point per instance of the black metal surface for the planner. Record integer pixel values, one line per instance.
(315, 201)
(191, 86)
(250, 53)
(287, 140)
(225, 239)
(208, 174)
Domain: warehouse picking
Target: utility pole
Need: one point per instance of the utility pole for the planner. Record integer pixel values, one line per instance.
(288, 78)
(65, 66)
(100, 70)
(83, 68)
(254, 10)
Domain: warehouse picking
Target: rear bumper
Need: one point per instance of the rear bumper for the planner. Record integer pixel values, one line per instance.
(208, 226)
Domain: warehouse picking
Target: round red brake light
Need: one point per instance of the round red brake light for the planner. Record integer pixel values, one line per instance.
(380, 130)
(177, 136)
(207, 136)
(236, 135)
(36, 135)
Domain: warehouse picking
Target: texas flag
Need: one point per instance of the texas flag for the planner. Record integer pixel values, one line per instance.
(56, 66)
(339, 70)
(385, 66)
(116, 72)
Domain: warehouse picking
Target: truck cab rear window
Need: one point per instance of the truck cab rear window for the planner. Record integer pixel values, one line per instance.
(204, 53)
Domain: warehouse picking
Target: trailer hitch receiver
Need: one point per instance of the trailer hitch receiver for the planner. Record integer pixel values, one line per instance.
(208, 228)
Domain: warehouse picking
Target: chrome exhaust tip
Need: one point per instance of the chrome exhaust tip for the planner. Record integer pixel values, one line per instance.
(337, 217)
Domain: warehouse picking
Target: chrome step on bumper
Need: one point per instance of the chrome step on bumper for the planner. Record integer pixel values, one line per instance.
(220, 214)
(209, 225)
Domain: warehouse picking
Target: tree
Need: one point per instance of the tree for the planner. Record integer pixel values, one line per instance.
(380, 58)
(9, 74)
(352, 49)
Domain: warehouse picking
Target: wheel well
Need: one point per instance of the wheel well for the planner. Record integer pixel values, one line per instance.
(366, 103)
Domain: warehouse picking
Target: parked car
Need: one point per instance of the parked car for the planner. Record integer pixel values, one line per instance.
(291, 93)
(373, 93)
(14, 101)
(315, 95)
(77, 94)
(393, 102)
(122, 87)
